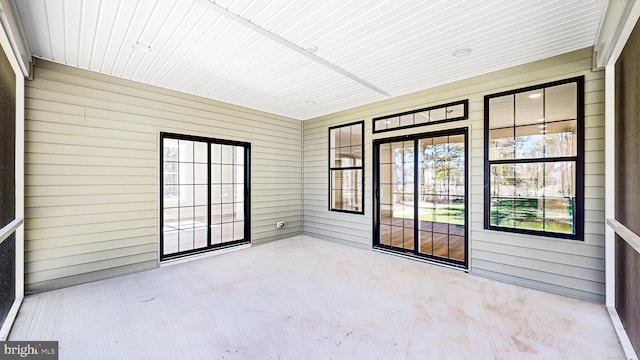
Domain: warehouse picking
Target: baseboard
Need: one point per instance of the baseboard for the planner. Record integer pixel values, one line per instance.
(622, 334)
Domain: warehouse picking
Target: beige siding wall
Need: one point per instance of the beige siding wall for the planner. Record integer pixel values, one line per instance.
(574, 268)
(92, 176)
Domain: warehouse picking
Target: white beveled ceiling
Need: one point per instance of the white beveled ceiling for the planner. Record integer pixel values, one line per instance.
(257, 53)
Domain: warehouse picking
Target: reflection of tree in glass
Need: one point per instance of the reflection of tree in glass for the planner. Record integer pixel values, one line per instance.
(537, 195)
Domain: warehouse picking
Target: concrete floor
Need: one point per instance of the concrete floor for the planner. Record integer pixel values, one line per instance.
(303, 298)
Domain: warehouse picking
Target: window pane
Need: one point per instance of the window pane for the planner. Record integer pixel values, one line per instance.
(529, 107)
(560, 179)
(216, 214)
(239, 211)
(171, 219)
(227, 174)
(200, 172)
(356, 135)
(227, 154)
(227, 213)
(185, 150)
(200, 237)
(170, 150)
(356, 155)
(239, 155)
(385, 154)
(501, 112)
(393, 122)
(185, 240)
(385, 234)
(380, 125)
(406, 120)
(170, 242)
(543, 198)
(186, 217)
(239, 174)
(227, 232)
(561, 102)
(227, 193)
(200, 193)
(216, 234)
(216, 194)
(238, 230)
(346, 189)
(200, 216)
(186, 195)
(421, 117)
(561, 139)
(216, 153)
(186, 173)
(200, 152)
(502, 180)
(238, 192)
(345, 136)
(455, 111)
(385, 174)
(438, 114)
(334, 138)
(216, 173)
(530, 142)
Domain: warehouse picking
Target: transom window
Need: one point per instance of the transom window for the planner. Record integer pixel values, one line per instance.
(454, 111)
(346, 172)
(534, 159)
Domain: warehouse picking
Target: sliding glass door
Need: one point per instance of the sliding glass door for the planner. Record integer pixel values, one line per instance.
(421, 196)
(205, 194)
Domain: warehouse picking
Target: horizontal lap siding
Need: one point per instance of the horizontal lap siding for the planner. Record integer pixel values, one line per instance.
(573, 268)
(92, 176)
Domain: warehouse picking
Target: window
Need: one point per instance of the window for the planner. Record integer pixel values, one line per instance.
(534, 159)
(454, 111)
(346, 171)
(205, 187)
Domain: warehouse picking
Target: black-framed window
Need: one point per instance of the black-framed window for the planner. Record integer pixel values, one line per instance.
(346, 168)
(534, 159)
(205, 191)
(454, 111)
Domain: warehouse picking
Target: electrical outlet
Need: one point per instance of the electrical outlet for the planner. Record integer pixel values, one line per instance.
(279, 224)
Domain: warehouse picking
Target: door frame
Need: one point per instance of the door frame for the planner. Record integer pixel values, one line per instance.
(247, 195)
(376, 196)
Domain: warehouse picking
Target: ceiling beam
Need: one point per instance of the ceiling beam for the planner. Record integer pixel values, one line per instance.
(268, 34)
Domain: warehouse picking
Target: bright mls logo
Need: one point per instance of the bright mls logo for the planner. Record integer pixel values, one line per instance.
(31, 350)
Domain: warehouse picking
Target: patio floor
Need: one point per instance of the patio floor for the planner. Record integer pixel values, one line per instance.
(304, 298)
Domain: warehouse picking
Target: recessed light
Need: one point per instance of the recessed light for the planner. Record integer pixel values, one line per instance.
(310, 102)
(540, 120)
(535, 96)
(542, 126)
(462, 52)
(311, 49)
(141, 47)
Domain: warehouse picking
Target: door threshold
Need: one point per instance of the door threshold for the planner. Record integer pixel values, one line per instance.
(421, 259)
(204, 255)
